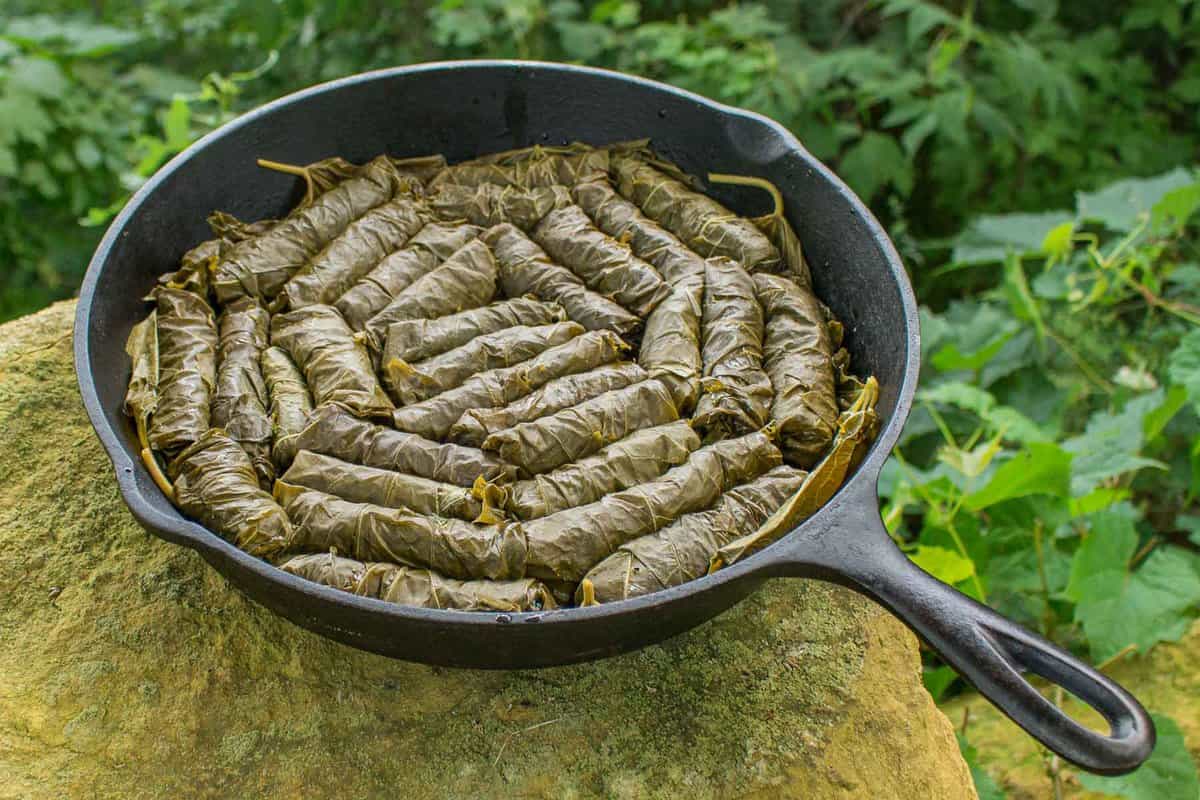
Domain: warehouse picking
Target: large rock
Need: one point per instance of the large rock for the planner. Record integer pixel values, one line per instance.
(128, 668)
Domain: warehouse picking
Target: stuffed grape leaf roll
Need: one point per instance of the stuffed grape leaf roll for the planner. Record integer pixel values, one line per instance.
(432, 245)
(290, 402)
(337, 367)
(737, 392)
(187, 366)
(606, 266)
(467, 279)
(568, 435)
(412, 383)
(681, 551)
(565, 545)
(491, 204)
(524, 268)
(354, 253)
(417, 339)
(261, 265)
(240, 398)
(477, 424)
(526, 168)
(641, 456)
(798, 357)
(333, 432)
(215, 484)
(670, 348)
(368, 532)
(702, 223)
(434, 417)
(418, 587)
(625, 222)
(382, 487)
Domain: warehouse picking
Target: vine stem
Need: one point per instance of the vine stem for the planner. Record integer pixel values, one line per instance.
(757, 183)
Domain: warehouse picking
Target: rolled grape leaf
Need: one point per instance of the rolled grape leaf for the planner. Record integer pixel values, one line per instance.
(640, 457)
(702, 223)
(215, 484)
(417, 339)
(430, 247)
(491, 204)
(418, 587)
(857, 427)
(477, 424)
(798, 357)
(578, 431)
(606, 266)
(526, 168)
(353, 253)
(187, 366)
(259, 266)
(239, 404)
(412, 383)
(625, 222)
(670, 348)
(737, 392)
(291, 402)
(370, 532)
(681, 551)
(467, 279)
(434, 417)
(195, 268)
(333, 432)
(141, 398)
(565, 545)
(525, 269)
(336, 367)
(382, 487)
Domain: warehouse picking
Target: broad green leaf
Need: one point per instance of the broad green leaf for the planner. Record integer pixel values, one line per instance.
(72, 37)
(1002, 419)
(985, 786)
(1155, 421)
(875, 161)
(1117, 607)
(950, 358)
(177, 124)
(991, 237)
(37, 76)
(1097, 500)
(1118, 206)
(1183, 367)
(1042, 468)
(1111, 443)
(1176, 207)
(1020, 299)
(1169, 773)
(945, 565)
(1191, 524)
(937, 680)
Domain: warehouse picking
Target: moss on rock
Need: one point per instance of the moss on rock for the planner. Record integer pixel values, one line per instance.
(128, 668)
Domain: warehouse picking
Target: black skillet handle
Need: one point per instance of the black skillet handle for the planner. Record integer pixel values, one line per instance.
(991, 652)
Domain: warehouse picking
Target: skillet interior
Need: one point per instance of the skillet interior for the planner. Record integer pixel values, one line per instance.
(463, 109)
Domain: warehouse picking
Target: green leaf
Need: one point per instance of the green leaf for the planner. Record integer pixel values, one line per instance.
(1183, 366)
(938, 680)
(1058, 242)
(37, 76)
(991, 237)
(1191, 524)
(985, 786)
(177, 124)
(1041, 468)
(1118, 607)
(875, 161)
(1110, 444)
(1170, 771)
(1119, 206)
(1176, 207)
(1002, 419)
(1020, 299)
(1097, 500)
(945, 565)
(1155, 421)
(71, 37)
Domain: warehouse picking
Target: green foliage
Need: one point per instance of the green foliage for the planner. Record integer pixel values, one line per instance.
(1169, 773)
(1051, 466)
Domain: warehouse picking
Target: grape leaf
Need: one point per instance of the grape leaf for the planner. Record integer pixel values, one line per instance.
(945, 565)
(1168, 773)
(1184, 366)
(1110, 444)
(1119, 205)
(1016, 426)
(1118, 607)
(991, 237)
(1042, 468)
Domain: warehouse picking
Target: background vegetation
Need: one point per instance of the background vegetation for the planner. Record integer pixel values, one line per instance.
(1033, 161)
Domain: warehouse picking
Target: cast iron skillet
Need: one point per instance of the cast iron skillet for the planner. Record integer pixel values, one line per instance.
(463, 109)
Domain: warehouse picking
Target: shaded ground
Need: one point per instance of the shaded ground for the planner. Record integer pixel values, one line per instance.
(128, 668)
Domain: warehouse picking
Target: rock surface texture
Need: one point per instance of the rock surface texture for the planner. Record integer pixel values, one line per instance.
(128, 668)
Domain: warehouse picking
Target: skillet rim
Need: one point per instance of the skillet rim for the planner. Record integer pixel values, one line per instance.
(177, 529)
